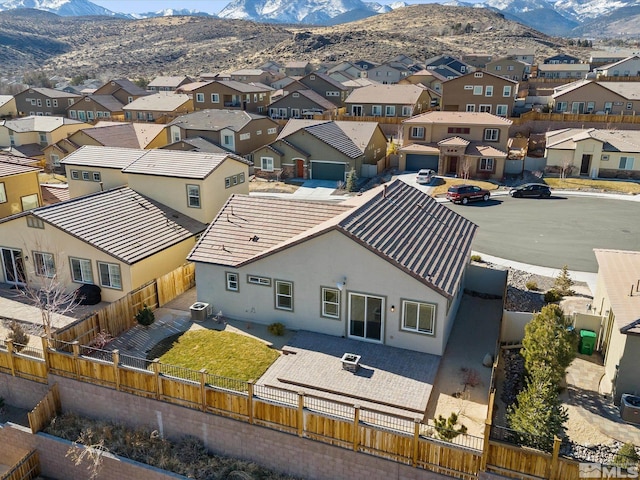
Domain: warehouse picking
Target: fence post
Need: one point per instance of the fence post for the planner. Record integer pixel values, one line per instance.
(115, 358)
(10, 356)
(75, 346)
(250, 400)
(203, 389)
(553, 466)
(356, 427)
(300, 413)
(487, 432)
(156, 372)
(45, 350)
(416, 441)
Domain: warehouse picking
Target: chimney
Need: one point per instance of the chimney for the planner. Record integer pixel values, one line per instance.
(384, 191)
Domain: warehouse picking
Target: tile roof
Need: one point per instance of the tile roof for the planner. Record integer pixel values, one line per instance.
(130, 87)
(244, 87)
(477, 149)
(27, 150)
(315, 98)
(124, 136)
(627, 141)
(163, 81)
(628, 90)
(190, 87)
(459, 118)
(103, 157)
(4, 99)
(326, 78)
(109, 102)
(51, 92)
(215, 120)
(620, 273)
(248, 71)
(172, 163)
(8, 168)
(386, 94)
(397, 222)
(36, 123)
(161, 102)
(54, 193)
(454, 141)
(121, 223)
(201, 144)
(419, 148)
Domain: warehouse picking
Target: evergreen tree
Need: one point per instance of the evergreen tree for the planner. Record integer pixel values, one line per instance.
(563, 282)
(538, 413)
(352, 180)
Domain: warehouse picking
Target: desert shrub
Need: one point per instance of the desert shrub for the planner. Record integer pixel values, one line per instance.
(145, 317)
(552, 296)
(626, 456)
(276, 329)
(476, 258)
(18, 336)
(532, 285)
(513, 376)
(352, 181)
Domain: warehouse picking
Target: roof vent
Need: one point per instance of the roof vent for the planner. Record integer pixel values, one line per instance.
(255, 238)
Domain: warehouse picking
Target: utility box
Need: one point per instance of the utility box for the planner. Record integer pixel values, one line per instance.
(587, 342)
(200, 311)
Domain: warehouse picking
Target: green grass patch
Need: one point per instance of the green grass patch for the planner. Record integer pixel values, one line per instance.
(227, 354)
(619, 186)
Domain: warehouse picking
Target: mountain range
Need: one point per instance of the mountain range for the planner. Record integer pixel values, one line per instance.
(592, 18)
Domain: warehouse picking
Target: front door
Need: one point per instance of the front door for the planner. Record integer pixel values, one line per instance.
(365, 317)
(584, 166)
(356, 110)
(453, 165)
(300, 168)
(13, 266)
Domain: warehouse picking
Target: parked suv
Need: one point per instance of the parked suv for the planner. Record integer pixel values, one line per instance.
(467, 193)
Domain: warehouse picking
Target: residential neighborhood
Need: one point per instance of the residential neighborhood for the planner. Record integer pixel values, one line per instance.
(351, 244)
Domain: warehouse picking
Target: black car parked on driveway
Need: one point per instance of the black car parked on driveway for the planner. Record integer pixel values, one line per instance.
(537, 190)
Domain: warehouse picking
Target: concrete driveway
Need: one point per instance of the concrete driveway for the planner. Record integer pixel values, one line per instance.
(553, 232)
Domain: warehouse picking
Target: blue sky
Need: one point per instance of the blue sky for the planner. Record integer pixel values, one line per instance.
(209, 6)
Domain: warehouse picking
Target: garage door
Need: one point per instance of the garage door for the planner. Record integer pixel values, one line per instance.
(327, 171)
(415, 162)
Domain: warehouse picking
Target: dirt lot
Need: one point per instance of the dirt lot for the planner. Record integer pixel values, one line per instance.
(268, 186)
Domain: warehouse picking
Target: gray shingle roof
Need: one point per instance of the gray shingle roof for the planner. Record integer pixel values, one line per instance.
(401, 224)
(331, 134)
(109, 102)
(121, 223)
(52, 92)
(214, 120)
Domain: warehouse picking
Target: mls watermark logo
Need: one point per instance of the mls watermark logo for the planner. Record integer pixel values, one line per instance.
(597, 470)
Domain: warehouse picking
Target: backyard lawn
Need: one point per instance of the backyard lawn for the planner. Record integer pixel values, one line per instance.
(586, 183)
(448, 182)
(227, 354)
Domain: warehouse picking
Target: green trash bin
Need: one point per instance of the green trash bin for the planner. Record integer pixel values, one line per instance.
(587, 342)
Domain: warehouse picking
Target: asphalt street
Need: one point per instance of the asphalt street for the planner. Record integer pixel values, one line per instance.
(553, 232)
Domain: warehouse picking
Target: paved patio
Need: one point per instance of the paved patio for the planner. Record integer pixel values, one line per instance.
(583, 384)
(390, 379)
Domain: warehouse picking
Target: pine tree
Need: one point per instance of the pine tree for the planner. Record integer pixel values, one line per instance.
(549, 343)
(538, 413)
(352, 180)
(446, 427)
(563, 282)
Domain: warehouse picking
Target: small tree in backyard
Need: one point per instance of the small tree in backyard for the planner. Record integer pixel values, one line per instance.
(538, 411)
(446, 427)
(18, 336)
(145, 316)
(352, 180)
(563, 282)
(549, 344)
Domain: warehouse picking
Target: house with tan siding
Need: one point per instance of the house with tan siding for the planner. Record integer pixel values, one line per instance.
(43, 101)
(390, 100)
(464, 144)
(8, 106)
(19, 186)
(228, 95)
(479, 92)
(167, 84)
(629, 67)
(509, 67)
(563, 70)
(325, 86)
(116, 239)
(588, 96)
(401, 297)
(159, 107)
(300, 104)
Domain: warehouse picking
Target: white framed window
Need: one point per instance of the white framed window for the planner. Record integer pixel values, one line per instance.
(200, 97)
(85, 176)
(245, 136)
(498, 68)
(376, 110)
(129, 99)
(468, 87)
(477, 74)
(332, 94)
(258, 132)
(484, 108)
(417, 132)
(215, 98)
(81, 271)
(227, 182)
(629, 106)
(227, 140)
(272, 131)
(29, 202)
(12, 139)
(75, 175)
(407, 110)
(34, 222)
(295, 94)
(96, 176)
(266, 164)
(470, 107)
(485, 165)
(44, 264)
(608, 106)
(330, 302)
(110, 275)
(561, 106)
(232, 283)
(32, 101)
(501, 110)
(55, 102)
(43, 137)
(390, 111)
(491, 134)
(257, 280)
(70, 101)
(3, 193)
(149, 117)
(140, 115)
(506, 91)
(418, 317)
(477, 89)
(604, 158)
(193, 196)
(90, 115)
(283, 295)
(626, 163)
(48, 102)
(240, 177)
(39, 102)
(488, 91)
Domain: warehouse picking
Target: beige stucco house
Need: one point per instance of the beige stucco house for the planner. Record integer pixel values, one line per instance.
(159, 107)
(479, 92)
(116, 239)
(617, 300)
(467, 144)
(8, 106)
(19, 187)
(390, 100)
(587, 96)
(323, 150)
(254, 264)
(595, 153)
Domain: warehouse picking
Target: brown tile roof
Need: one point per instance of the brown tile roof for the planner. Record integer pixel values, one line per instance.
(123, 136)
(620, 273)
(8, 168)
(121, 223)
(416, 147)
(477, 149)
(54, 193)
(173, 163)
(158, 102)
(457, 141)
(460, 118)
(398, 222)
(104, 157)
(386, 94)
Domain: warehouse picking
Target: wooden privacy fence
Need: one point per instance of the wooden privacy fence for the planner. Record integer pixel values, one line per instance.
(575, 117)
(26, 469)
(119, 316)
(22, 361)
(45, 410)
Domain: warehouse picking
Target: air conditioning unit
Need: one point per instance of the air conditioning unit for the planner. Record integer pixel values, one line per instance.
(200, 311)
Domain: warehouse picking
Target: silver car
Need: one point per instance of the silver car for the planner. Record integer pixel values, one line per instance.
(425, 176)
